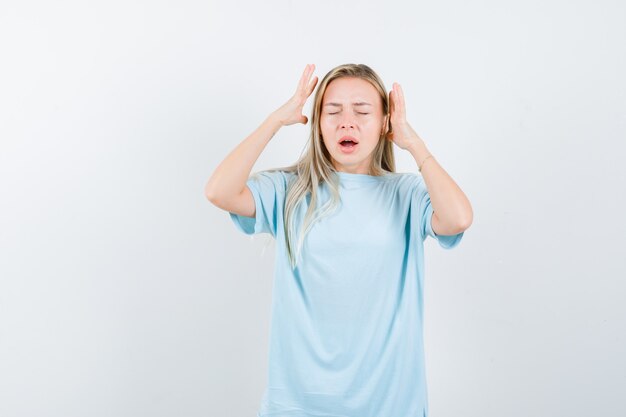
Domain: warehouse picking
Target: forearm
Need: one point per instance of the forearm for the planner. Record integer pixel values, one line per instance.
(229, 178)
(450, 204)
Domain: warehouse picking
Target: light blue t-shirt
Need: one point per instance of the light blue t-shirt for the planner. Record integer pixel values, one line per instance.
(346, 335)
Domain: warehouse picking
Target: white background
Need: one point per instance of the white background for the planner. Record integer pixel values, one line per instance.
(124, 292)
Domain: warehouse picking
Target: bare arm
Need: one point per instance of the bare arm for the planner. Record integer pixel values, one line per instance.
(229, 178)
(227, 186)
(452, 211)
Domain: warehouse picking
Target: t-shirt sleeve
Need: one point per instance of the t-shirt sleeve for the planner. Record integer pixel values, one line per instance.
(268, 189)
(422, 210)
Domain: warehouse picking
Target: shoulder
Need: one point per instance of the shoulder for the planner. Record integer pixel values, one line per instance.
(276, 175)
(407, 181)
(277, 179)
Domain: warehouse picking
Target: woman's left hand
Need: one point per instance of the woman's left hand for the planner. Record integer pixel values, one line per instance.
(401, 133)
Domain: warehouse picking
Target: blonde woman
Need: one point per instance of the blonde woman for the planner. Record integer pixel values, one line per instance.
(347, 308)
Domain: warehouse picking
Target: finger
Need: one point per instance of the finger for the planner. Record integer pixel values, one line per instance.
(304, 78)
(312, 86)
(401, 104)
(311, 68)
(304, 90)
(396, 94)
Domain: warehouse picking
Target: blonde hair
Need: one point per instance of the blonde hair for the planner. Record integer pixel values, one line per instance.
(314, 167)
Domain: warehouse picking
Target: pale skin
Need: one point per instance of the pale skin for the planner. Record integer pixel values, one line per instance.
(452, 211)
(351, 106)
(227, 186)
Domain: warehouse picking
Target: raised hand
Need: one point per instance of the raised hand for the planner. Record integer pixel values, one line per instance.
(402, 134)
(291, 112)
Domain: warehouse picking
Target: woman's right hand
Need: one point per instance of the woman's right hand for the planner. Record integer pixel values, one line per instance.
(291, 112)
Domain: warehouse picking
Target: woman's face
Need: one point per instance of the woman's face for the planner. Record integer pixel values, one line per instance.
(351, 107)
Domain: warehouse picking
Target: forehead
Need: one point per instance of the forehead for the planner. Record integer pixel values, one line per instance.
(351, 89)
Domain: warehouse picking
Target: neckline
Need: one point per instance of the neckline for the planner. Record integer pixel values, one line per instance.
(360, 177)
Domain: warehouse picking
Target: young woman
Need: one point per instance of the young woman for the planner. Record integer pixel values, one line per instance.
(347, 307)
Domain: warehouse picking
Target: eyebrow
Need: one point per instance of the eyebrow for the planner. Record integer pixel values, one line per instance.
(359, 103)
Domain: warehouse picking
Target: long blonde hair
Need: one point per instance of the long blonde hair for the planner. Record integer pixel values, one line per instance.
(314, 167)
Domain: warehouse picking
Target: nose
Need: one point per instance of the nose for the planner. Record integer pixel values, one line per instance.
(347, 123)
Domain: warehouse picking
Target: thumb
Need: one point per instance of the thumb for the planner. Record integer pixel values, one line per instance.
(304, 120)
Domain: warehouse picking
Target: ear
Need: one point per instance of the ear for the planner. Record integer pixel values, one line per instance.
(385, 128)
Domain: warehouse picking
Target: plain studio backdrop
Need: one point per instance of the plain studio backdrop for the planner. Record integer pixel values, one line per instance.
(124, 292)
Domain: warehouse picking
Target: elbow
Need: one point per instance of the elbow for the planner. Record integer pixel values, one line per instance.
(463, 227)
(211, 199)
(209, 193)
(465, 223)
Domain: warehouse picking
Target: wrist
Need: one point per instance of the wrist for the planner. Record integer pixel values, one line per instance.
(419, 150)
(274, 123)
(420, 153)
(275, 120)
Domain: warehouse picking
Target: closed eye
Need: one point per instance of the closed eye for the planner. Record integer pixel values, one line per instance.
(357, 112)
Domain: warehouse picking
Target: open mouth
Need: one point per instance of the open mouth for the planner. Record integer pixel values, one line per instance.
(347, 143)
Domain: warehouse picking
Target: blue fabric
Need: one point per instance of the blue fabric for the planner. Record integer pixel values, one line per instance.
(346, 334)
